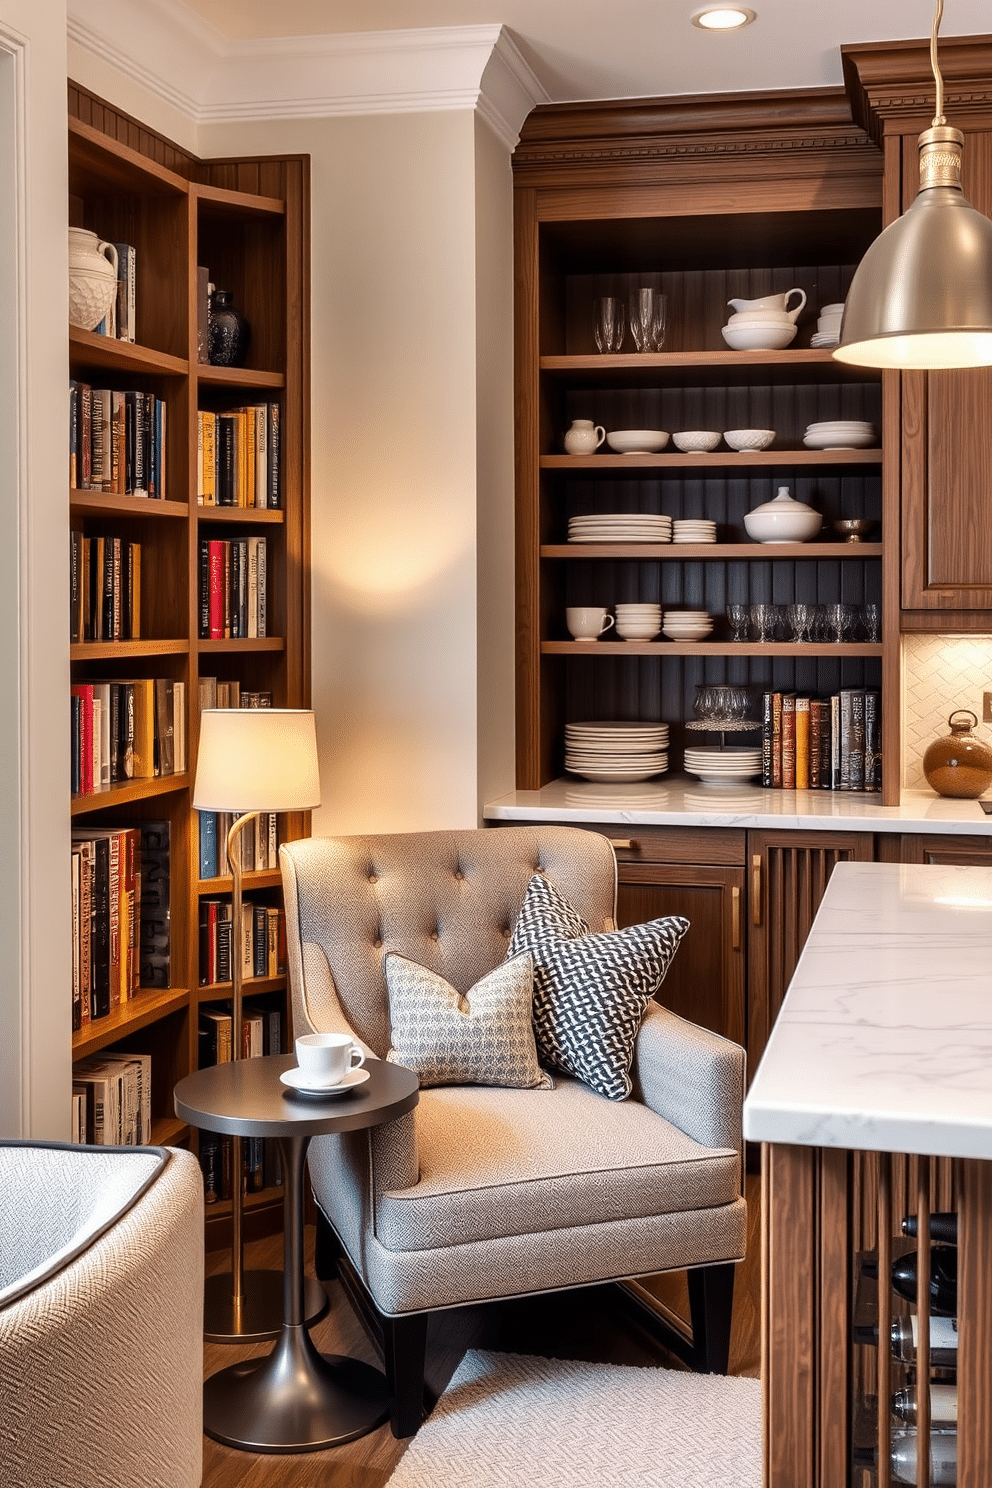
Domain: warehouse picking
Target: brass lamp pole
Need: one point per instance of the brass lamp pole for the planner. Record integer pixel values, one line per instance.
(251, 760)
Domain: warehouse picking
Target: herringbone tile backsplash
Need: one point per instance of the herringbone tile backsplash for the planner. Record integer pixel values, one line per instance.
(939, 674)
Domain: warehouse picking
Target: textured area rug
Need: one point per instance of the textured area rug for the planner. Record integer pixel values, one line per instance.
(510, 1419)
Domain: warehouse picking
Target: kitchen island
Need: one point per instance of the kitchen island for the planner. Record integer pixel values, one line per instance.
(873, 1100)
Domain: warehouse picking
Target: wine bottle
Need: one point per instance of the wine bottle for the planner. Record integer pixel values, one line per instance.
(943, 1457)
(943, 1279)
(943, 1227)
(943, 1405)
(904, 1335)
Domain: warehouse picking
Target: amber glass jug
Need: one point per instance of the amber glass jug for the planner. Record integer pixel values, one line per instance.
(959, 764)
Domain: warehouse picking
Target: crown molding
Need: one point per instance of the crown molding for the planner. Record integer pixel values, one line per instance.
(212, 79)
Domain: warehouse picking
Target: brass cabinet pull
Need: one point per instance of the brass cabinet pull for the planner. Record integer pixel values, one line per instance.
(735, 918)
(756, 889)
(629, 844)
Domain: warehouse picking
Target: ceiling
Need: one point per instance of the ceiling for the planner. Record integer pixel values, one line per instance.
(625, 48)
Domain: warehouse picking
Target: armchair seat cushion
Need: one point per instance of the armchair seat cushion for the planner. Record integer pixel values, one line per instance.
(497, 1163)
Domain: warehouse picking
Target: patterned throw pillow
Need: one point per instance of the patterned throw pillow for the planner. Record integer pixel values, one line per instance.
(483, 1038)
(591, 991)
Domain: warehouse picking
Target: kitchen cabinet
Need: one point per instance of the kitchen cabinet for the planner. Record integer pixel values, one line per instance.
(707, 200)
(946, 442)
(970, 852)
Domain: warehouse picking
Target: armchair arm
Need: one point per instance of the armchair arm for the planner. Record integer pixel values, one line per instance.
(691, 1077)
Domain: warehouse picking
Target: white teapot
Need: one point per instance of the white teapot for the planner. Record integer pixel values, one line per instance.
(768, 307)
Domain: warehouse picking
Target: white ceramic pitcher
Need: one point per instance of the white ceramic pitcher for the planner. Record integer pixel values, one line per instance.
(771, 305)
(92, 278)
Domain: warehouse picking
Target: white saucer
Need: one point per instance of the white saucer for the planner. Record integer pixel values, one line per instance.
(304, 1084)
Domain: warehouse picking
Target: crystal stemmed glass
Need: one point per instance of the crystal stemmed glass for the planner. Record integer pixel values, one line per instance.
(737, 618)
(659, 321)
(840, 618)
(609, 324)
(642, 317)
(800, 620)
(763, 618)
(871, 619)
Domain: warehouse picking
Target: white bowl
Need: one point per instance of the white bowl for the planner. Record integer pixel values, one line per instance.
(783, 526)
(696, 440)
(749, 439)
(638, 632)
(769, 337)
(637, 441)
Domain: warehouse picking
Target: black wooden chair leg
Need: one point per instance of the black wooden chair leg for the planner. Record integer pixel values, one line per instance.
(405, 1350)
(711, 1305)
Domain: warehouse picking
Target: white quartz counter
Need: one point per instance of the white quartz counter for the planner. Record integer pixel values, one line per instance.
(677, 802)
(884, 1040)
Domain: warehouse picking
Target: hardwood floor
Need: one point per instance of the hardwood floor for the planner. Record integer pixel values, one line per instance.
(584, 1324)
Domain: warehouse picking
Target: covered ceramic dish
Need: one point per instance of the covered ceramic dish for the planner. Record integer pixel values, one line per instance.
(959, 764)
(783, 520)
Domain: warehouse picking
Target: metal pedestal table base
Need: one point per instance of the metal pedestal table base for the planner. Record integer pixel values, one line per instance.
(294, 1400)
(260, 1315)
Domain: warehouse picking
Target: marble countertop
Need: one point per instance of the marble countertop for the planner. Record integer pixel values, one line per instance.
(675, 801)
(884, 1040)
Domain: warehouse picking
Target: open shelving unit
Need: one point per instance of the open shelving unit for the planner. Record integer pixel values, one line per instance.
(247, 221)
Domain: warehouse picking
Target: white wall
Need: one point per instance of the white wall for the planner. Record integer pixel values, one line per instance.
(35, 981)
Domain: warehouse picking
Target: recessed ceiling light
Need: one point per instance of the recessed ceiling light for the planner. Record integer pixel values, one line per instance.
(723, 17)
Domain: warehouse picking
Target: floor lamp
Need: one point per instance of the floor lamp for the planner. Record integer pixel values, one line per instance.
(251, 760)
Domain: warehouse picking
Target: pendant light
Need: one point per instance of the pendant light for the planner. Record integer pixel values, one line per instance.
(922, 294)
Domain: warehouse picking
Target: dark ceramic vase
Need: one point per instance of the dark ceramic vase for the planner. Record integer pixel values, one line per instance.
(229, 332)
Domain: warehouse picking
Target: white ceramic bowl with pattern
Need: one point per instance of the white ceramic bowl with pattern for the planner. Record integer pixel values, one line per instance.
(749, 439)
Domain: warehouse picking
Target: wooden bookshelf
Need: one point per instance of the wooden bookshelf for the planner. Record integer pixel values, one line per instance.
(247, 222)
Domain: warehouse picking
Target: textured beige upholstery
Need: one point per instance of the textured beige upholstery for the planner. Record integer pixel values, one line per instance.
(101, 1317)
(483, 1192)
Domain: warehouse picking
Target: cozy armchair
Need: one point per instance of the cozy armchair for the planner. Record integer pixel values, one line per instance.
(101, 1317)
(485, 1192)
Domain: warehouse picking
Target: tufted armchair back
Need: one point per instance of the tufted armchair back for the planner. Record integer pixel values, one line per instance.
(447, 900)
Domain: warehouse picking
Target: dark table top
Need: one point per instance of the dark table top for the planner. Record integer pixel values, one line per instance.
(246, 1098)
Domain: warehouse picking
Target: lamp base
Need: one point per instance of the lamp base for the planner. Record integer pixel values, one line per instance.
(260, 1315)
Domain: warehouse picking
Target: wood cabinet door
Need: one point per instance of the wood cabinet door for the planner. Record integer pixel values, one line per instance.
(968, 852)
(947, 455)
(705, 982)
(788, 873)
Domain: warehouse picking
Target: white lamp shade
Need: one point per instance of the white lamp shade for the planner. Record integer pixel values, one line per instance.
(257, 759)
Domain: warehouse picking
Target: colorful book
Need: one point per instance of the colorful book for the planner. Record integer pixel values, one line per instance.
(788, 741)
(802, 726)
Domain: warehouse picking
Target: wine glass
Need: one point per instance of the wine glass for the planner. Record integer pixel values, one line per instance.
(871, 619)
(800, 620)
(659, 322)
(763, 618)
(737, 618)
(608, 326)
(840, 618)
(643, 308)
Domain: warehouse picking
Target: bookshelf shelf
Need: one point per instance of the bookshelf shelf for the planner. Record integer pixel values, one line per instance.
(146, 1008)
(713, 552)
(244, 221)
(87, 349)
(102, 503)
(270, 878)
(251, 987)
(634, 369)
(769, 459)
(125, 795)
(123, 650)
(265, 643)
(251, 514)
(834, 649)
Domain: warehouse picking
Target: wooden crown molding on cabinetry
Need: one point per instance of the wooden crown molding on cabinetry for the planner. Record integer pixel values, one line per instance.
(652, 136)
(891, 88)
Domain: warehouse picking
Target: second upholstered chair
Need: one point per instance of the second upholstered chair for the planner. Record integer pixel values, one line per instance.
(485, 1192)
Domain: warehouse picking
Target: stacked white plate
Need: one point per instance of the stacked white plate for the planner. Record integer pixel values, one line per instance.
(686, 625)
(840, 434)
(693, 530)
(616, 752)
(828, 325)
(620, 527)
(725, 766)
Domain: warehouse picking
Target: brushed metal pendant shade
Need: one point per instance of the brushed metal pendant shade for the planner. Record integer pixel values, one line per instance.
(922, 294)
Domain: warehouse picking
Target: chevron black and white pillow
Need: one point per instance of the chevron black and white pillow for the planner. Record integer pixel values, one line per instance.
(485, 1037)
(590, 991)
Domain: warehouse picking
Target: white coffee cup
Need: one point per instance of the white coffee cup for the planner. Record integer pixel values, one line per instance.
(328, 1057)
(586, 623)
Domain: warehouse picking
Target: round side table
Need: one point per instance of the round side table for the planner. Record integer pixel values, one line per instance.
(294, 1399)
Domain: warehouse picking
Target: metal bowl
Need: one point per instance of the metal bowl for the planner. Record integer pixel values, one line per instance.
(854, 529)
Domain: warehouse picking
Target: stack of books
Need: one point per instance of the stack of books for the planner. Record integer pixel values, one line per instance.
(120, 916)
(261, 1034)
(116, 441)
(128, 730)
(261, 946)
(104, 588)
(822, 743)
(232, 588)
(112, 1100)
(237, 457)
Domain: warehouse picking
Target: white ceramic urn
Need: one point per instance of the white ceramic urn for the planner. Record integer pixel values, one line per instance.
(583, 437)
(783, 520)
(92, 278)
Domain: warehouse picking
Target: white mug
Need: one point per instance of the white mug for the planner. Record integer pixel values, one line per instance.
(328, 1057)
(586, 624)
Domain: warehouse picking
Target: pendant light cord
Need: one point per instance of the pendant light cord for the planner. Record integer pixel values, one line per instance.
(938, 15)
